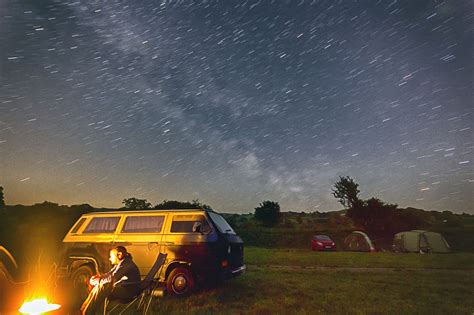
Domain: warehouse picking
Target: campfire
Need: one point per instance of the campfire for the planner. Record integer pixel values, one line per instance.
(38, 306)
(31, 290)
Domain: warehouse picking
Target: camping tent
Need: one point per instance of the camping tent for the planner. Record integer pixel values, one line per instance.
(420, 241)
(359, 242)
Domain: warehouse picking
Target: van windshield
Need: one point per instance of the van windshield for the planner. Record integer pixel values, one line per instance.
(221, 223)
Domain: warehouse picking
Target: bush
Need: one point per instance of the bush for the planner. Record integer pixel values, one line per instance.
(268, 213)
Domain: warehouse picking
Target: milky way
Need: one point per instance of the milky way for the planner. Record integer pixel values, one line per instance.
(236, 102)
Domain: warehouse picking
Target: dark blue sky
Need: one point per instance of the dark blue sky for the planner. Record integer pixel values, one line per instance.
(236, 102)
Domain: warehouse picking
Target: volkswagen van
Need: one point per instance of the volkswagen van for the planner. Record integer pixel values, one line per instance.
(200, 246)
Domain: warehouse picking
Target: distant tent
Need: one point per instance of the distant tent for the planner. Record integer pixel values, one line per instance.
(420, 241)
(359, 242)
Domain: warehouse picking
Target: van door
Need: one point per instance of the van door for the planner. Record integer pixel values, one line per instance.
(142, 234)
(189, 238)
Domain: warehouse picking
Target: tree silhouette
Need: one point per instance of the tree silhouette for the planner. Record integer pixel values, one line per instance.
(268, 212)
(2, 198)
(379, 219)
(174, 204)
(135, 204)
(347, 191)
(376, 216)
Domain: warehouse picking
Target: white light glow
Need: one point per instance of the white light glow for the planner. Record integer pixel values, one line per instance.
(38, 306)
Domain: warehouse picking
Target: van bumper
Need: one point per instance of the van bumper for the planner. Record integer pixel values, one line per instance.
(235, 272)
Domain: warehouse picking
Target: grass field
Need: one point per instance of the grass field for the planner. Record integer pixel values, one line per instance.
(444, 289)
(291, 281)
(306, 258)
(261, 291)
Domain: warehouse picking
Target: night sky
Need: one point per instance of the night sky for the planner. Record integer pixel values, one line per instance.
(236, 102)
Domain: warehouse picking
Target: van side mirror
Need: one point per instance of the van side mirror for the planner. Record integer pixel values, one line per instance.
(197, 227)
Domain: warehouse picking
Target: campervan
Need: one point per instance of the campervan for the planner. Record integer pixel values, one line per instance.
(200, 246)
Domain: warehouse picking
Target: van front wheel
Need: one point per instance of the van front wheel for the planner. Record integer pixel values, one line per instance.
(80, 281)
(180, 282)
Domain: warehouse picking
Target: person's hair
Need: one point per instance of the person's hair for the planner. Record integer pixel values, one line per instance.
(123, 250)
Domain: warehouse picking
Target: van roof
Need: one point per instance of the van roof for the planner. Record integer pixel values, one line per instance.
(146, 211)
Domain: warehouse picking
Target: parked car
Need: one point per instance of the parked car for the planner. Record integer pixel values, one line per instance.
(199, 244)
(322, 242)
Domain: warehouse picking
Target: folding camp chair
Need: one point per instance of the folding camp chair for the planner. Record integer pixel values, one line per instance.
(146, 289)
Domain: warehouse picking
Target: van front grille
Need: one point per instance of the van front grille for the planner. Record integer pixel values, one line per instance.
(236, 255)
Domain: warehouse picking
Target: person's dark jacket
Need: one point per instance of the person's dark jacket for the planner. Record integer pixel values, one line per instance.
(125, 274)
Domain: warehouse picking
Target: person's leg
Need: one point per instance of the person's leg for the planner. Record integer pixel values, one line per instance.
(96, 298)
(122, 294)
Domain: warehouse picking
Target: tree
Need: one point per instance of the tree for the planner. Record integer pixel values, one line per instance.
(347, 191)
(174, 204)
(268, 212)
(196, 203)
(135, 204)
(381, 220)
(2, 198)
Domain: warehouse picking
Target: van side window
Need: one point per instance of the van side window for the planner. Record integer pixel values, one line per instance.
(140, 224)
(78, 226)
(102, 225)
(185, 223)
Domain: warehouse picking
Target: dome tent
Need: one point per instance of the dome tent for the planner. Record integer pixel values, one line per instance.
(420, 241)
(358, 241)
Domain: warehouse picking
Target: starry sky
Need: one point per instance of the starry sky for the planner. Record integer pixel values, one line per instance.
(236, 102)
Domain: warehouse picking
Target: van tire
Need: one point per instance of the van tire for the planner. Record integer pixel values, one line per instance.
(180, 282)
(80, 281)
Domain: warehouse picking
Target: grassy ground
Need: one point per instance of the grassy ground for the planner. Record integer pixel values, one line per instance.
(307, 258)
(264, 290)
(304, 292)
(278, 281)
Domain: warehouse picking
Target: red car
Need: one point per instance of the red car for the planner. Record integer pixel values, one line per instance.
(322, 242)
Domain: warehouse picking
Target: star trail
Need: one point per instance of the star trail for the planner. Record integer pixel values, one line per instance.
(236, 102)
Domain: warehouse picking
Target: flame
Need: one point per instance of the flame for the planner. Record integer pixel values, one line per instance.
(38, 306)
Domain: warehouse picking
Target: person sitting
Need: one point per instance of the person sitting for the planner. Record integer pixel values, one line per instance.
(122, 282)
